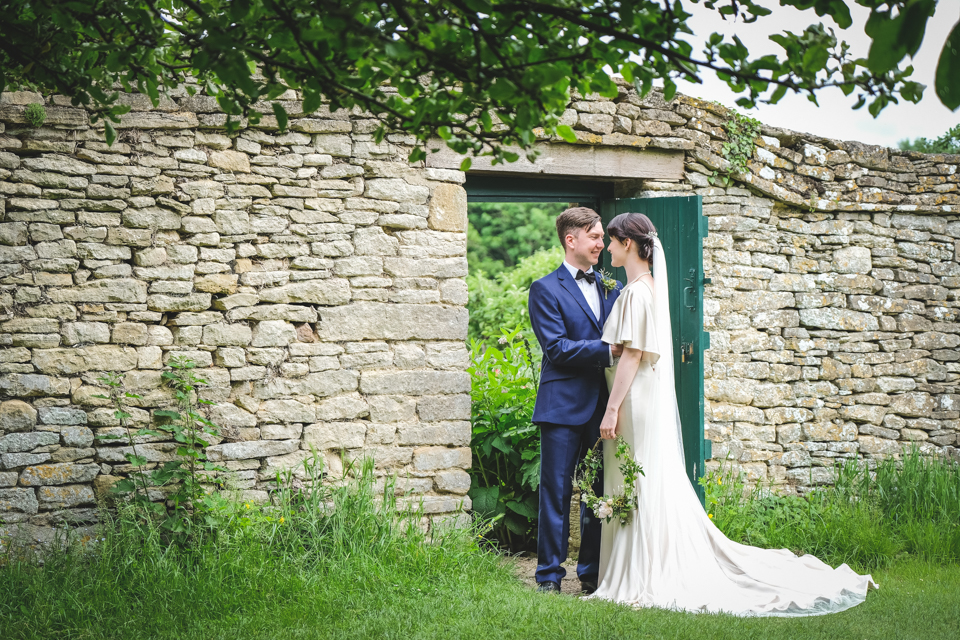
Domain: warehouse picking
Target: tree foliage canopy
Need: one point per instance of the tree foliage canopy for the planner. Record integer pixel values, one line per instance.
(481, 74)
(949, 142)
(500, 234)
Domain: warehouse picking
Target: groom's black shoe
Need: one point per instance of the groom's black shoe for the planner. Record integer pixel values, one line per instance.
(588, 586)
(548, 587)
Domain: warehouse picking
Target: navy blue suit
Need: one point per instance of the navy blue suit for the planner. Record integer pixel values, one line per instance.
(570, 404)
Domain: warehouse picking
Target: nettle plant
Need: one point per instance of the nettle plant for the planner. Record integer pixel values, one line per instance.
(183, 481)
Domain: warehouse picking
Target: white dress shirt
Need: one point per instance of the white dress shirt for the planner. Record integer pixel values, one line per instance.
(591, 293)
(589, 290)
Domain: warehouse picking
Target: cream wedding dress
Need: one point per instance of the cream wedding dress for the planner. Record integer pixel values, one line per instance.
(671, 555)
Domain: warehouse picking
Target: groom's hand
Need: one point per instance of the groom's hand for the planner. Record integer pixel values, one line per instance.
(616, 350)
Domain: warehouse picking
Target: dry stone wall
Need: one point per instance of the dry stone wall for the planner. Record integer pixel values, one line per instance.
(317, 280)
(314, 278)
(833, 308)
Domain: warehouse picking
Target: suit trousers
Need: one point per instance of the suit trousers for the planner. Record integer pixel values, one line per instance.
(562, 447)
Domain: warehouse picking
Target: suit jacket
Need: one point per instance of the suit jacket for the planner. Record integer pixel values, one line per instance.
(571, 375)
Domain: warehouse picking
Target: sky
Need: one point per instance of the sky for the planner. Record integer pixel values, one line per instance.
(835, 117)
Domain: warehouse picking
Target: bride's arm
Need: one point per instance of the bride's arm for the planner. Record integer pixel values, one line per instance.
(626, 372)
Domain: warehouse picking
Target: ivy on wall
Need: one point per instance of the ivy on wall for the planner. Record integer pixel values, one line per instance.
(742, 133)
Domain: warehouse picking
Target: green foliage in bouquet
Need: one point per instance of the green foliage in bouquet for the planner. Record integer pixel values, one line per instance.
(506, 444)
(607, 507)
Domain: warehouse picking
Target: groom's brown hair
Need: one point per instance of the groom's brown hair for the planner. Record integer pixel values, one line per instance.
(574, 219)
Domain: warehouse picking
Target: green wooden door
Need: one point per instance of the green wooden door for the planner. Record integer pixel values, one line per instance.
(681, 228)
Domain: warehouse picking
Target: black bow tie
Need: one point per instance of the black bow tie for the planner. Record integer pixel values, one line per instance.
(589, 277)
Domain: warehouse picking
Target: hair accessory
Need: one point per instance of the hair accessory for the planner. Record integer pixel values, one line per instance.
(652, 234)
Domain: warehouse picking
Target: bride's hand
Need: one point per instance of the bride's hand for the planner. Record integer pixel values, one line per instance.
(608, 427)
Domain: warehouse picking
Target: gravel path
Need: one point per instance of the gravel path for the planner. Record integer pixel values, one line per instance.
(527, 567)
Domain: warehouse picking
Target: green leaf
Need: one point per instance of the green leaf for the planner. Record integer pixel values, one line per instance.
(484, 499)
(948, 71)
(124, 486)
(281, 114)
(565, 131)
(516, 525)
(522, 509)
(109, 132)
(465, 164)
(669, 89)
(137, 461)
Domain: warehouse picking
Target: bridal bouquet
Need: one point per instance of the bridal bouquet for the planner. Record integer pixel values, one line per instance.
(621, 505)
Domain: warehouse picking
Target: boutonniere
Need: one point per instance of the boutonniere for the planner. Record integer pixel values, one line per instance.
(608, 282)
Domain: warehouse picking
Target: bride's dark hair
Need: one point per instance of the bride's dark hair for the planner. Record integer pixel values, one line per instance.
(636, 227)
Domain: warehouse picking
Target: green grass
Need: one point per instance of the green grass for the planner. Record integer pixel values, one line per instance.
(358, 572)
(870, 519)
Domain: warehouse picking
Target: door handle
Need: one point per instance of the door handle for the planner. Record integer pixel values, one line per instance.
(691, 289)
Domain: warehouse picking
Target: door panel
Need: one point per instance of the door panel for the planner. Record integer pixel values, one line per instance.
(681, 229)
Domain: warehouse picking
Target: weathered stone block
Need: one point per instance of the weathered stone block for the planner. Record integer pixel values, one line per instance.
(453, 481)
(229, 415)
(217, 283)
(864, 413)
(334, 291)
(426, 267)
(65, 497)
(273, 333)
(384, 321)
(94, 358)
(431, 458)
(395, 189)
(227, 335)
(286, 411)
(414, 382)
(134, 333)
(114, 290)
(880, 447)
(20, 442)
(335, 435)
(734, 391)
(782, 415)
(251, 449)
(56, 474)
(852, 260)
(75, 436)
(190, 302)
(230, 161)
(31, 385)
(280, 431)
(448, 208)
(839, 319)
(445, 407)
(63, 416)
(916, 404)
(17, 504)
(288, 312)
(441, 433)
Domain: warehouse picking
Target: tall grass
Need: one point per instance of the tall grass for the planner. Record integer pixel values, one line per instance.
(870, 518)
(297, 558)
(339, 562)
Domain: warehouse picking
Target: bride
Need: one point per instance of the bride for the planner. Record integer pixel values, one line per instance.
(671, 555)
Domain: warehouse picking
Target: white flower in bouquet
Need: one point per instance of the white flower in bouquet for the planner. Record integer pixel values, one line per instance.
(604, 510)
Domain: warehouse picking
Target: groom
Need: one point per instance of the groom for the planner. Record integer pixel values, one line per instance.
(567, 309)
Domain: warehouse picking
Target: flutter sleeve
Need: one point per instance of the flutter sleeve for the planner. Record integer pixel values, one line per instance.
(631, 323)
